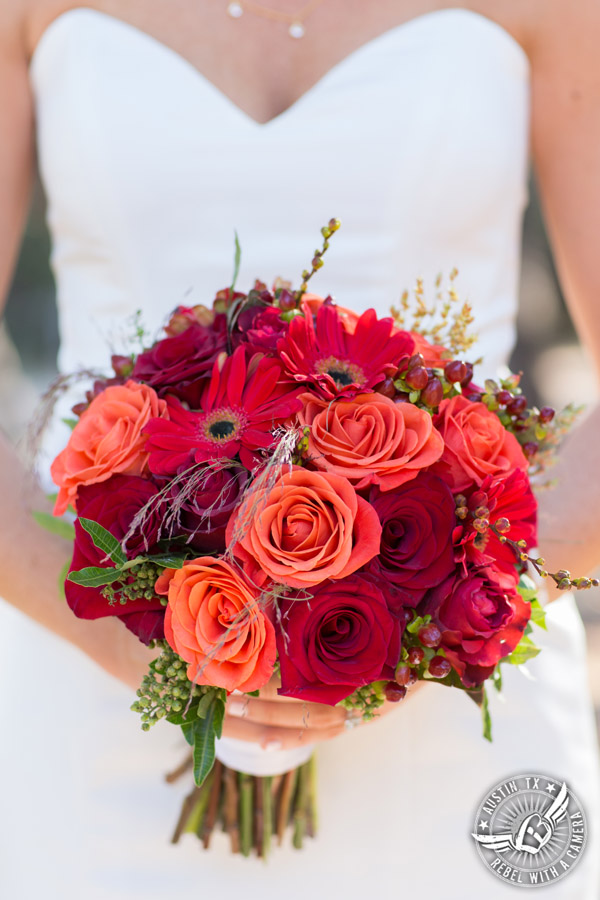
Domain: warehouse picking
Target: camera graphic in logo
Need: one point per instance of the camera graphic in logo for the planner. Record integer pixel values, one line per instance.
(530, 830)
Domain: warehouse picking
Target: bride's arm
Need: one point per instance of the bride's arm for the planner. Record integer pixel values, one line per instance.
(566, 153)
(30, 558)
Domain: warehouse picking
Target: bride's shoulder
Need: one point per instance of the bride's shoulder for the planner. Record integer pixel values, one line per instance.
(565, 32)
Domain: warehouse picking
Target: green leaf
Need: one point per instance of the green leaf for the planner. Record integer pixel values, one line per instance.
(486, 718)
(219, 716)
(93, 576)
(167, 561)
(524, 650)
(104, 541)
(206, 701)
(70, 423)
(204, 744)
(54, 525)
(538, 614)
(497, 678)
(236, 261)
(189, 732)
(527, 588)
(62, 577)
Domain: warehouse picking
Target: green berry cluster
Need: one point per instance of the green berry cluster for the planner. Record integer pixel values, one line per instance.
(365, 701)
(165, 690)
(137, 584)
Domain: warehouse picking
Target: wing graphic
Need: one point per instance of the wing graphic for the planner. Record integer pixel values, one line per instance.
(497, 842)
(558, 809)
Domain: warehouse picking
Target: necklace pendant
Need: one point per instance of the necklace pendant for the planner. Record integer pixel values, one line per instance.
(296, 30)
(235, 10)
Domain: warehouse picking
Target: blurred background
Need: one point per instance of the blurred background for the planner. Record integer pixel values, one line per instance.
(556, 367)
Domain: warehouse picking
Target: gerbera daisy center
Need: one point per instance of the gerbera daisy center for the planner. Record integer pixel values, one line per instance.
(222, 425)
(342, 371)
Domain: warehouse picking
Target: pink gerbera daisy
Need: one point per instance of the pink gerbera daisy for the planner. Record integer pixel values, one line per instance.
(245, 400)
(339, 364)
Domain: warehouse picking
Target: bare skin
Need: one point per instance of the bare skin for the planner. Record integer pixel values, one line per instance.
(560, 42)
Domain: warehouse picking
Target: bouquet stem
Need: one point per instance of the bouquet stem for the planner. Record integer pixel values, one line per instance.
(250, 809)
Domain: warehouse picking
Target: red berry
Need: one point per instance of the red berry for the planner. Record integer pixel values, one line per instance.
(416, 360)
(430, 635)
(433, 394)
(413, 677)
(530, 449)
(394, 692)
(504, 397)
(286, 301)
(79, 408)
(417, 378)
(467, 379)
(386, 387)
(517, 405)
(455, 371)
(474, 397)
(415, 656)
(439, 667)
(546, 414)
(403, 674)
(401, 397)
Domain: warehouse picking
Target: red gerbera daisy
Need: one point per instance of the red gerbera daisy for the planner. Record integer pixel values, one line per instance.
(337, 363)
(241, 405)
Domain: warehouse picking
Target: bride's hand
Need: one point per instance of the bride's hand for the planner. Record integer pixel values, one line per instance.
(277, 722)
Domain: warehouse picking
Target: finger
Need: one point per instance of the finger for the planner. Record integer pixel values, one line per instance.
(288, 715)
(276, 737)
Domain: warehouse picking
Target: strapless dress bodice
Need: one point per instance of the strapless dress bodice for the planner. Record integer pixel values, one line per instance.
(417, 141)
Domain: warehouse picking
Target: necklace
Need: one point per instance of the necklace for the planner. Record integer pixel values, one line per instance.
(294, 21)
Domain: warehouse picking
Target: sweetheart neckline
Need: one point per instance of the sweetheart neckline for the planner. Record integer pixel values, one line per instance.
(428, 18)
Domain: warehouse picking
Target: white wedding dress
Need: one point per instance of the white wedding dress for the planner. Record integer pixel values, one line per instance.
(418, 141)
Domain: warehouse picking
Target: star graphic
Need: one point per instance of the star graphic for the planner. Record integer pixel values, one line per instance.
(550, 788)
(483, 825)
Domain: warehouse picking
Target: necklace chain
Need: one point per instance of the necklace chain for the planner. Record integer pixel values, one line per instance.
(294, 21)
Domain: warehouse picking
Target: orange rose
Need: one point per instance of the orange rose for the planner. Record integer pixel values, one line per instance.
(476, 444)
(214, 622)
(370, 439)
(107, 440)
(312, 527)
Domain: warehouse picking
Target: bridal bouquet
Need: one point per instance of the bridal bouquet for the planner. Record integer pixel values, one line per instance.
(280, 487)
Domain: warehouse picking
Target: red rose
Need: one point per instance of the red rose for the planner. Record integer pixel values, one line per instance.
(204, 512)
(417, 519)
(261, 327)
(341, 637)
(181, 364)
(476, 444)
(114, 504)
(481, 621)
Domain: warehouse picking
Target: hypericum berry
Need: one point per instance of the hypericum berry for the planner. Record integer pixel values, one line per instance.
(455, 371)
(286, 301)
(517, 405)
(403, 674)
(413, 677)
(439, 667)
(502, 525)
(430, 635)
(432, 395)
(546, 414)
(386, 388)
(417, 378)
(416, 360)
(474, 397)
(394, 692)
(468, 377)
(530, 449)
(401, 397)
(415, 656)
(504, 397)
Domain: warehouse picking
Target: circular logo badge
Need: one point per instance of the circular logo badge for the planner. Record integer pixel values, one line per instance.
(530, 830)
